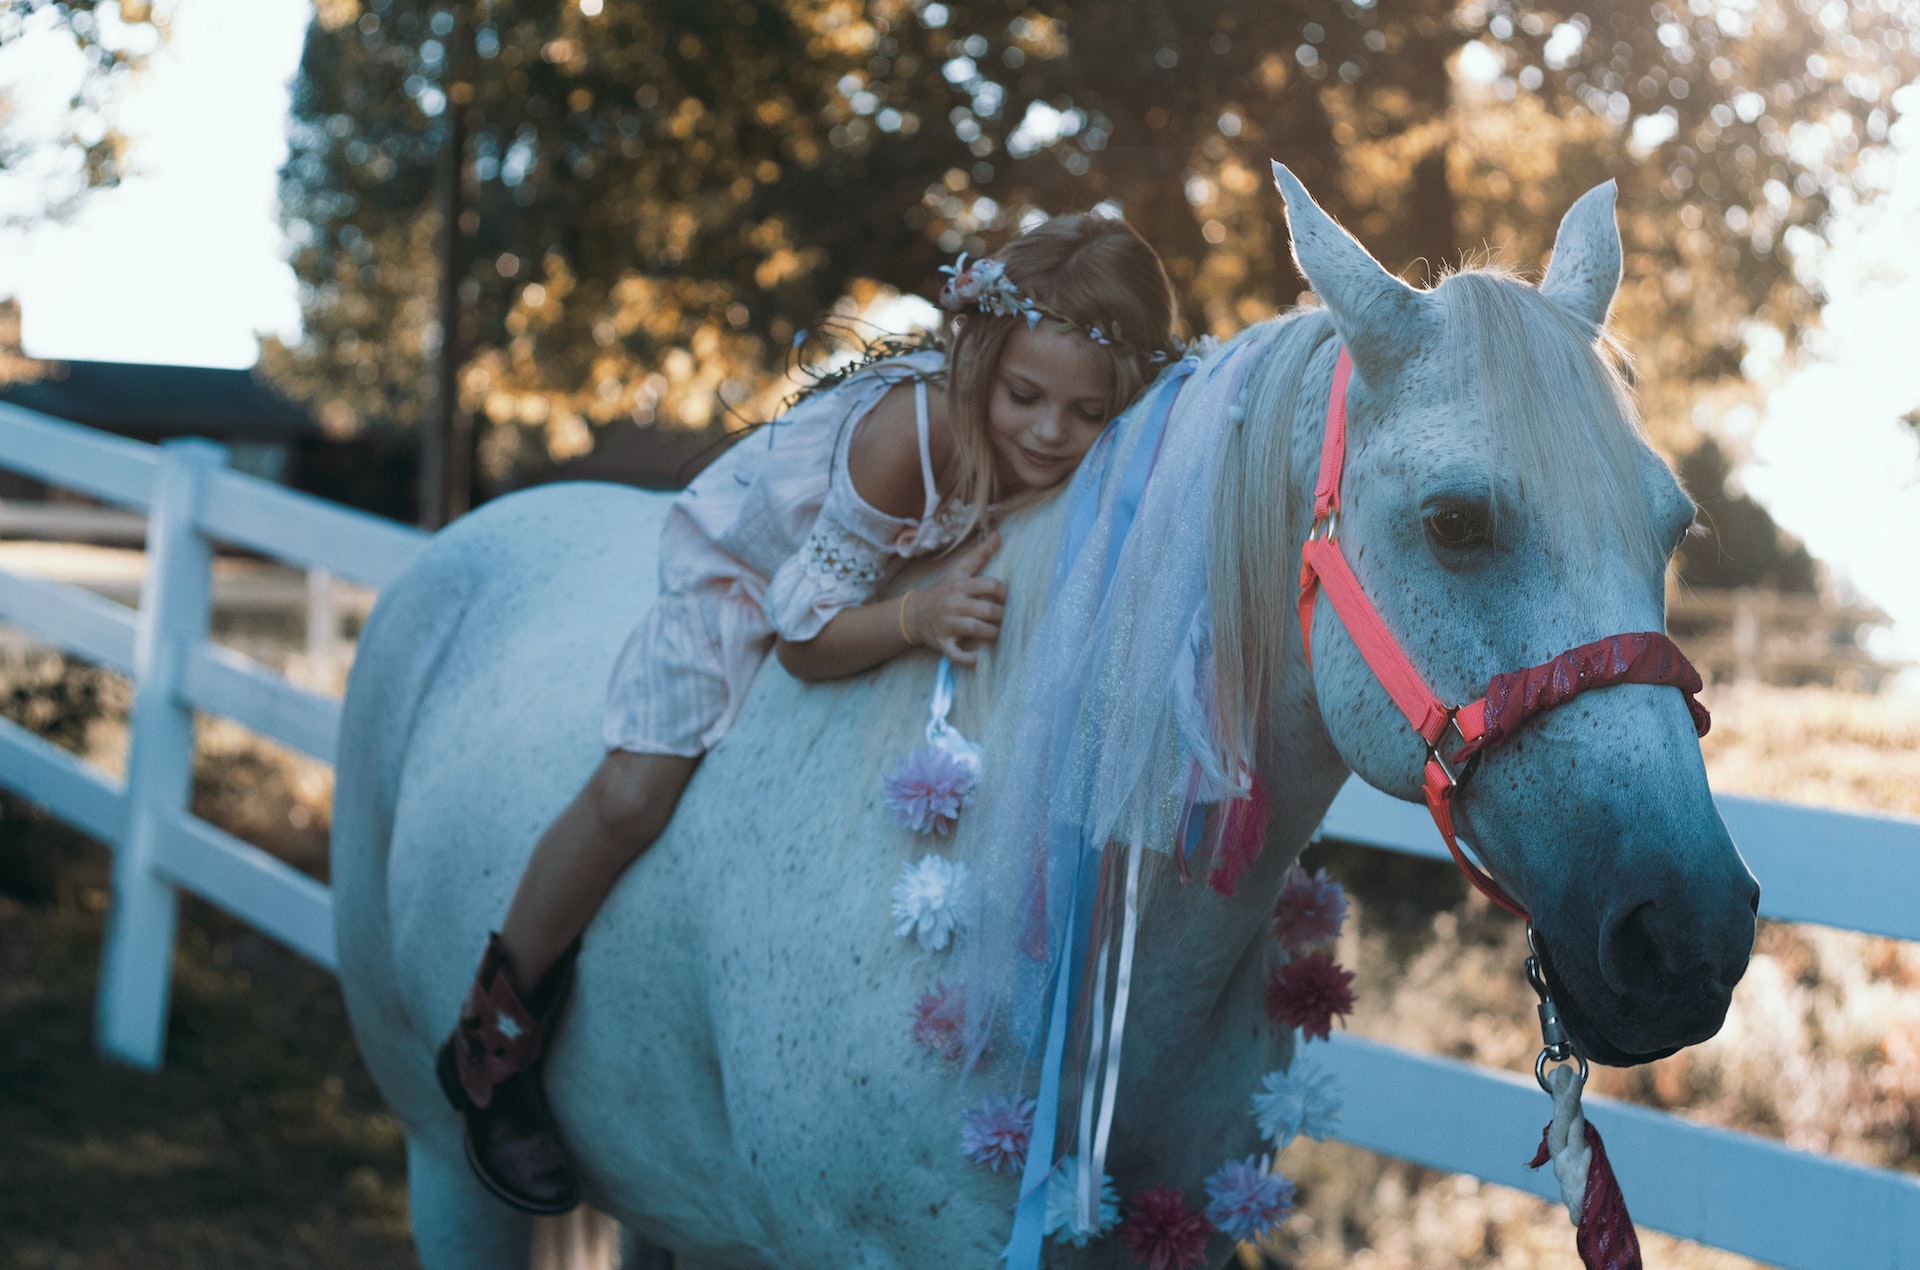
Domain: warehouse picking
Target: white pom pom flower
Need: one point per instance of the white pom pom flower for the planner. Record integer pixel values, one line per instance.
(1302, 1100)
(1063, 1202)
(926, 901)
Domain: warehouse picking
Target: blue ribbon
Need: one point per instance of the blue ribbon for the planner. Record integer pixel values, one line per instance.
(1073, 870)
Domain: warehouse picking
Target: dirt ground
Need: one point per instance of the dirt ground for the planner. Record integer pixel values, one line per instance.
(261, 1143)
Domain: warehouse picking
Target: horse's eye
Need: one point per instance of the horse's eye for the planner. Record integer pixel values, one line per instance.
(1458, 525)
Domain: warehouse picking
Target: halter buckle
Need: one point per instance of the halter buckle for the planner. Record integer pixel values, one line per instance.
(1330, 523)
(1438, 749)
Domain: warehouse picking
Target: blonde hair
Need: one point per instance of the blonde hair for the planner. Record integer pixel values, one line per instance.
(1097, 272)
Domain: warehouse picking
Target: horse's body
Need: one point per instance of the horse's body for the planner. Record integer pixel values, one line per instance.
(742, 1002)
(734, 1075)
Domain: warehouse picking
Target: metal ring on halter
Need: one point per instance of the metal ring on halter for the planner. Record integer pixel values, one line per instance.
(1331, 524)
(1540, 1069)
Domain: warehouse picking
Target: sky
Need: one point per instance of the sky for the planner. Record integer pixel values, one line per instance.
(1829, 456)
(184, 264)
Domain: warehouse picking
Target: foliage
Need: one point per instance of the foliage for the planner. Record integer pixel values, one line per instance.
(662, 194)
(1738, 545)
(42, 172)
(15, 365)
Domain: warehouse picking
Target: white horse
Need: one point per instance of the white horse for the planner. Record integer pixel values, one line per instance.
(734, 1075)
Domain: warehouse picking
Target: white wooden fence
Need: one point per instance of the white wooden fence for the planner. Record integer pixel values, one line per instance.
(191, 501)
(1731, 1190)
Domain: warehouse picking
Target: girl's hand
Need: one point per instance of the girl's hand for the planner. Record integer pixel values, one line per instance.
(962, 610)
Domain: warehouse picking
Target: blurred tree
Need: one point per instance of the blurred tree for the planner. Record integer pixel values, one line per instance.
(15, 365)
(656, 191)
(658, 195)
(1734, 130)
(85, 53)
(1737, 544)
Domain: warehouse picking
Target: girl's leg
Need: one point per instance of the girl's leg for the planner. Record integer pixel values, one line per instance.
(490, 1066)
(615, 816)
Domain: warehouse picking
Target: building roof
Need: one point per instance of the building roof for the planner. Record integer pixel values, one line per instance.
(652, 457)
(152, 402)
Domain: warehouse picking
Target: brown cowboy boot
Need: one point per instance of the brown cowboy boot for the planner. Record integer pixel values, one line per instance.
(489, 1069)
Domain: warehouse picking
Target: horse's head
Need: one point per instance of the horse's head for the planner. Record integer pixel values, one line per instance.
(1501, 507)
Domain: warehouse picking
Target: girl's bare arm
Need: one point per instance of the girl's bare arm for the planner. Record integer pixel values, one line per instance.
(956, 614)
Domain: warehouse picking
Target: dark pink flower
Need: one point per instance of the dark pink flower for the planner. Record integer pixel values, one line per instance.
(939, 1022)
(1308, 993)
(1161, 1232)
(1309, 912)
(995, 1134)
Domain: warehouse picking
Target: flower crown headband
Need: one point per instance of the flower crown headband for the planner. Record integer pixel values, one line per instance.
(984, 285)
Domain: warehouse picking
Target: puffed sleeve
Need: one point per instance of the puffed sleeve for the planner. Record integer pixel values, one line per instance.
(839, 565)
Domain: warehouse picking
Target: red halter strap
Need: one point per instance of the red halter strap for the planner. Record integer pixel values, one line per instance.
(1646, 657)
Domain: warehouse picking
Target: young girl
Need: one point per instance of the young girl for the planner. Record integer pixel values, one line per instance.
(777, 547)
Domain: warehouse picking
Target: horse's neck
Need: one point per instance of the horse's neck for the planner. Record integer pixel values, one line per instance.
(1216, 940)
(1220, 938)
(1296, 754)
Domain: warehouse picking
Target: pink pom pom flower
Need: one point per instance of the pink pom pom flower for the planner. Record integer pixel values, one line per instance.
(1309, 912)
(1248, 1198)
(995, 1134)
(926, 790)
(939, 1022)
(1308, 993)
(1161, 1232)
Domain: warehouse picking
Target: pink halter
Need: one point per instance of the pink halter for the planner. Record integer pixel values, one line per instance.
(1646, 657)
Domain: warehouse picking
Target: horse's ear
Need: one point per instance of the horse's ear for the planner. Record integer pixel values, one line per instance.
(1379, 317)
(1585, 270)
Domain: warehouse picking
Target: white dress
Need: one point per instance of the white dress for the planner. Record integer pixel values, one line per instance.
(772, 539)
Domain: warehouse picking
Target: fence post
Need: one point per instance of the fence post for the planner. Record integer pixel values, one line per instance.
(1746, 637)
(136, 967)
(323, 628)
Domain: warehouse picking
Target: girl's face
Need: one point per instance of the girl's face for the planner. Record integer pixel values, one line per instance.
(1048, 405)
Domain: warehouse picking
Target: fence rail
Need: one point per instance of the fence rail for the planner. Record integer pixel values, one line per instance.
(192, 502)
(1731, 1190)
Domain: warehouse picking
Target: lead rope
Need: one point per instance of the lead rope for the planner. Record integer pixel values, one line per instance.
(1604, 1233)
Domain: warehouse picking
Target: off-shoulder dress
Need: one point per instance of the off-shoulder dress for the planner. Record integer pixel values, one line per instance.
(770, 540)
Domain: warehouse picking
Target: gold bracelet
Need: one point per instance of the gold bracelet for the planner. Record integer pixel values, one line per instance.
(903, 619)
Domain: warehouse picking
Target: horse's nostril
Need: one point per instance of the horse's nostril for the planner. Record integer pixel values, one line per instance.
(1630, 954)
